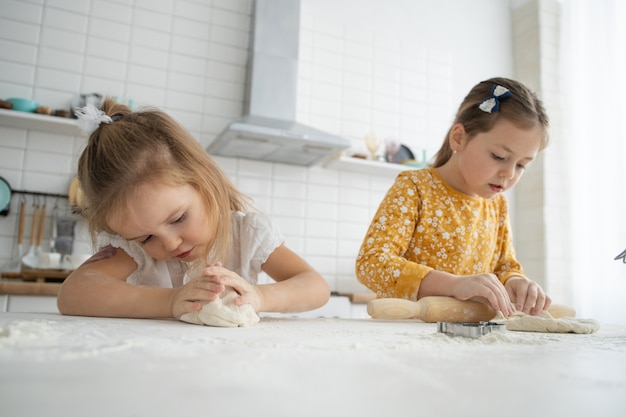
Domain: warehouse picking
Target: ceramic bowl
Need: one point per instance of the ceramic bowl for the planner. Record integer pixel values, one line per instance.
(23, 104)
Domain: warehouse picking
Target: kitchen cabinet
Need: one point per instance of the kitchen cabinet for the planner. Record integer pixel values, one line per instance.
(13, 303)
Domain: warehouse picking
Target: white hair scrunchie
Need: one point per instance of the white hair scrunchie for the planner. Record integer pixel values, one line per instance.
(90, 117)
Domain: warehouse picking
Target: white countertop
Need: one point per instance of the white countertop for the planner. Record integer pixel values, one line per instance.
(76, 366)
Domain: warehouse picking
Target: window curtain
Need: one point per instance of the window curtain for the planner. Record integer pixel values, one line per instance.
(593, 87)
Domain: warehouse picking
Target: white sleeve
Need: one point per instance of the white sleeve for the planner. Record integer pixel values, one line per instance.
(148, 272)
(254, 238)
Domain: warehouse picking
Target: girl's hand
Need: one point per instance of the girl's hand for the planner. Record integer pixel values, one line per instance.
(527, 295)
(207, 286)
(484, 288)
(248, 293)
(194, 294)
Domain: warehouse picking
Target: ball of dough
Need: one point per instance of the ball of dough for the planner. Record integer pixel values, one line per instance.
(222, 312)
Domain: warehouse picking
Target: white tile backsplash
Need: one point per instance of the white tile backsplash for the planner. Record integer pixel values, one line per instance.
(185, 100)
(229, 19)
(63, 80)
(76, 6)
(285, 207)
(317, 210)
(113, 11)
(151, 19)
(200, 12)
(189, 28)
(24, 74)
(230, 37)
(12, 159)
(65, 20)
(289, 189)
(107, 29)
(21, 12)
(163, 6)
(18, 52)
(61, 39)
(240, 6)
(106, 48)
(50, 143)
(144, 75)
(19, 31)
(60, 60)
(190, 46)
(321, 229)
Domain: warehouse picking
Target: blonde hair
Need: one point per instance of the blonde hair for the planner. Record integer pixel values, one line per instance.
(145, 147)
(523, 108)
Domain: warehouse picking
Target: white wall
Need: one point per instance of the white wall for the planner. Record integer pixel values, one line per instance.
(399, 67)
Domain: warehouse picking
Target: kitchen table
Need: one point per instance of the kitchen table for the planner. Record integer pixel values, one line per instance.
(80, 366)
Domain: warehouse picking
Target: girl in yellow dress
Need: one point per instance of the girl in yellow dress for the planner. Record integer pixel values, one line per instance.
(445, 230)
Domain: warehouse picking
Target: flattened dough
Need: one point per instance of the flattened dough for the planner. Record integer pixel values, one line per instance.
(545, 323)
(222, 312)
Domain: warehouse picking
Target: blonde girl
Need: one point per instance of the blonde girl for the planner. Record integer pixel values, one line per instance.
(155, 203)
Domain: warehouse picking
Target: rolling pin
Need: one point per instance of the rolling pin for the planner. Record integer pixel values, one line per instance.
(30, 288)
(448, 309)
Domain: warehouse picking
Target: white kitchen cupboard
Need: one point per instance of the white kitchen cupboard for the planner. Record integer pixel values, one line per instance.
(337, 307)
(28, 303)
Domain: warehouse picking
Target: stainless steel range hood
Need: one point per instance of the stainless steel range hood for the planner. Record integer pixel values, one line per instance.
(269, 131)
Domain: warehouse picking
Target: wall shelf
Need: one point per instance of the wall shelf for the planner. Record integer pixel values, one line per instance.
(365, 166)
(51, 124)
(40, 122)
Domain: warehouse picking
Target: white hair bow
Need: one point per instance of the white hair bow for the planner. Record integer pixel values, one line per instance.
(90, 117)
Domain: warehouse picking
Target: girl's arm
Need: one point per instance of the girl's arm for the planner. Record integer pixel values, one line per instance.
(484, 288)
(98, 288)
(298, 286)
(381, 264)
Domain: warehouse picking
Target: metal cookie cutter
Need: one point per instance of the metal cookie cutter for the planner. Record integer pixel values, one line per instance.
(473, 330)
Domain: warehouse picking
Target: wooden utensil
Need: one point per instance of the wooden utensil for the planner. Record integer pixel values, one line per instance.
(32, 288)
(40, 227)
(448, 309)
(75, 194)
(30, 259)
(20, 230)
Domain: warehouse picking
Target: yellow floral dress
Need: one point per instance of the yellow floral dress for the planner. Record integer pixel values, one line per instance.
(424, 224)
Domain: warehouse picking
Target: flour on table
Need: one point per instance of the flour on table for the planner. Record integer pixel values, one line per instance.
(545, 323)
(222, 312)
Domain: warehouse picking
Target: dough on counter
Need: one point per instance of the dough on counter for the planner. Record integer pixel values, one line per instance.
(545, 323)
(222, 312)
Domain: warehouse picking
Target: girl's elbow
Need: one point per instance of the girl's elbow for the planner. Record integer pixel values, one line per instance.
(322, 286)
(322, 293)
(66, 299)
(63, 306)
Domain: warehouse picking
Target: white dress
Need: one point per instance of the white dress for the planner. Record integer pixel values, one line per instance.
(254, 238)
